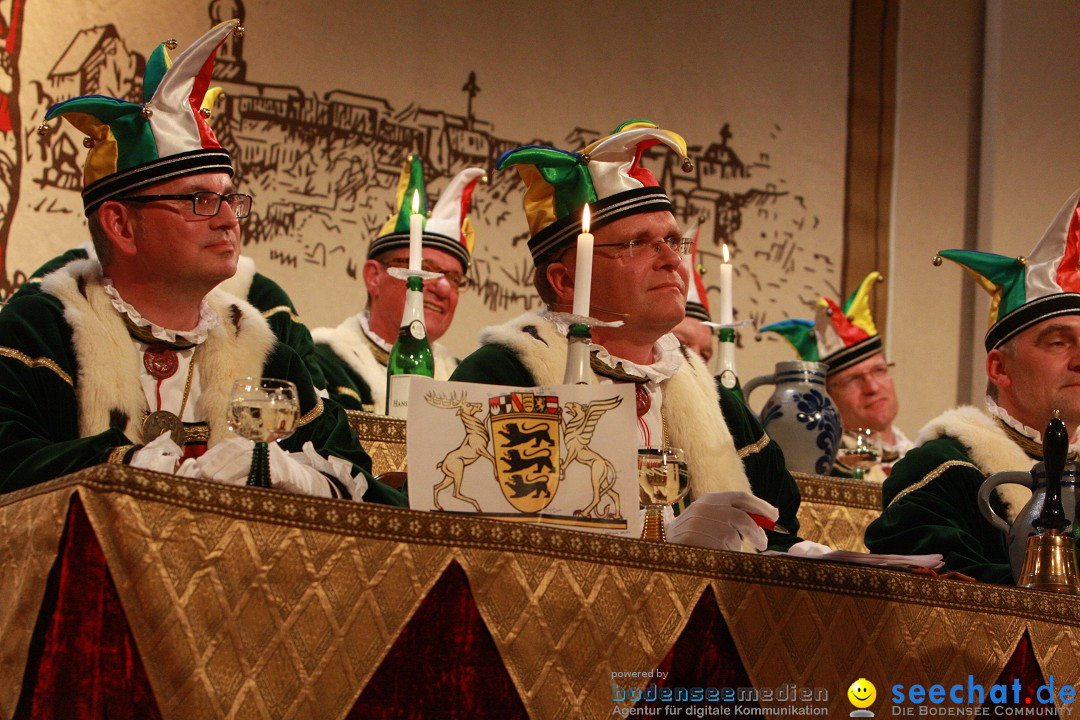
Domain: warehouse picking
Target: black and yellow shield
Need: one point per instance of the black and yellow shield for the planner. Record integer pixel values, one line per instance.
(525, 435)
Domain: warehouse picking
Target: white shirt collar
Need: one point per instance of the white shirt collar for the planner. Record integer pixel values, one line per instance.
(208, 319)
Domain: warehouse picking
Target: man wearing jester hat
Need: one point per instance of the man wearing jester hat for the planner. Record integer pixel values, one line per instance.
(131, 358)
(638, 294)
(1033, 369)
(858, 378)
(258, 289)
(354, 354)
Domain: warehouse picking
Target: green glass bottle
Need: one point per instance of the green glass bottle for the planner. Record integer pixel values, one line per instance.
(411, 355)
(727, 374)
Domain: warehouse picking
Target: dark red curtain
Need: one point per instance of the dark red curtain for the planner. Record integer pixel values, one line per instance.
(83, 661)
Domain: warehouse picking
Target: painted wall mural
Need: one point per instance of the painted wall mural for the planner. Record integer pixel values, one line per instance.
(322, 166)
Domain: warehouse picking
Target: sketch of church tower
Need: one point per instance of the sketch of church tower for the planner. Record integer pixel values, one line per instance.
(229, 61)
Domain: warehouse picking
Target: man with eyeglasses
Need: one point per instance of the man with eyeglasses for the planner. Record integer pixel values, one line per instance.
(846, 340)
(130, 358)
(931, 501)
(354, 354)
(739, 487)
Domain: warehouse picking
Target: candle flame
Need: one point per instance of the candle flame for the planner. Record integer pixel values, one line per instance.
(415, 201)
(585, 217)
(727, 258)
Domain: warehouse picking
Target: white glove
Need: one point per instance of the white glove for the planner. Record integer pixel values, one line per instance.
(227, 462)
(160, 454)
(809, 548)
(720, 521)
(335, 467)
(290, 474)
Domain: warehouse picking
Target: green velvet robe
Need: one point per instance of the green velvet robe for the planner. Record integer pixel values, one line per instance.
(930, 499)
(70, 396)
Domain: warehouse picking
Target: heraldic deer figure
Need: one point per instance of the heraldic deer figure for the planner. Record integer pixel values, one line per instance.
(471, 449)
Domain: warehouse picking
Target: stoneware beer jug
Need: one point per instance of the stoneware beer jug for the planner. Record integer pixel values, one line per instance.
(1017, 533)
(801, 416)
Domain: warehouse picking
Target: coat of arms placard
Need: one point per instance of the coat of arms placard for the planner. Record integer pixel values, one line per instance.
(563, 455)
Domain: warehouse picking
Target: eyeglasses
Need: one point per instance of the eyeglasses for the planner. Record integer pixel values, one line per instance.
(206, 204)
(456, 278)
(630, 248)
(878, 374)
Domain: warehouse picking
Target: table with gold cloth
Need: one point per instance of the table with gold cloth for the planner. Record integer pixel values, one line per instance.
(133, 594)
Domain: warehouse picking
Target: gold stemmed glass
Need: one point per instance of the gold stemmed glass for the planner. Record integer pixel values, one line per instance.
(859, 451)
(263, 410)
(662, 481)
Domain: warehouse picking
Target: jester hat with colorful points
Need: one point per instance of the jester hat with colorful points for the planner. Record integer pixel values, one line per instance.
(607, 175)
(697, 298)
(447, 229)
(133, 145)
(1026, 291)
(838, 337)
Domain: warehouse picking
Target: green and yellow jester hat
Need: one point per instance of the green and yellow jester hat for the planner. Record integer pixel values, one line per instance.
(840, 337)
(1026, 291)
(133, 145)
(607, 175)
(447, 228)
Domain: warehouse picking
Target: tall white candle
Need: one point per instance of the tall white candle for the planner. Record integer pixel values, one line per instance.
(727, 302)
(583, 268)
(416, 233)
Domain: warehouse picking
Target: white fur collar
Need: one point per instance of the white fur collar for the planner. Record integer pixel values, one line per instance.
(692, 407)
(989, 447)
(349, 343)
(108, 388)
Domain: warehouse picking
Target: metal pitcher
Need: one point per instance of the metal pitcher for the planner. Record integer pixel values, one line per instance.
(1022, 527)
(801, 416)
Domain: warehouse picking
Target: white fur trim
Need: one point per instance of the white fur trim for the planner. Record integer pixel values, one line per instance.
(108, 362)
(696, 425)
(989, 447)
(349, 343)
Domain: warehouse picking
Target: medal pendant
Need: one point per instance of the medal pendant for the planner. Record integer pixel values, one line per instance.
(644, 401)
(161, 422)
(161, 361)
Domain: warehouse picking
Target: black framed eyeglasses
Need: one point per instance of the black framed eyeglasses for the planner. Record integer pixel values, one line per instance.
(206, 203)
(678, 245)
(458, 279)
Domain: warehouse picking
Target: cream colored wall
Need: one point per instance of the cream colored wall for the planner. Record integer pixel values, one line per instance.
(935, 178)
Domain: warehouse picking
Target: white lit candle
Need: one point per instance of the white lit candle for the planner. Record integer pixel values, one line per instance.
(726, 291)
(583, 271)
(416, 233)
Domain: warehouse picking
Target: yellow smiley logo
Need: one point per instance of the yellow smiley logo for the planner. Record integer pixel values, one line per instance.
(862, 693)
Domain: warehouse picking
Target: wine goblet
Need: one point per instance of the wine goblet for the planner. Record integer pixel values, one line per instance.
(263, 410)
(859, 451)
(662, 481)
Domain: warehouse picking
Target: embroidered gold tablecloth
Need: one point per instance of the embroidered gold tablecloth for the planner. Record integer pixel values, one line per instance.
(222, 585)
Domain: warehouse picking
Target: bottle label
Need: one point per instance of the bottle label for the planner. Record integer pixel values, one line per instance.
(398, 398)
(417, 329)
(728, 379)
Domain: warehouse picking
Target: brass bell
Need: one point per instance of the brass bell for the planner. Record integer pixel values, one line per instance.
(239, 31)
(171, 43)
(88, 142)
(205, 112)
(1050, 563)
(687, 166)
(938, 260)
(43, 129)
(147, 112)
